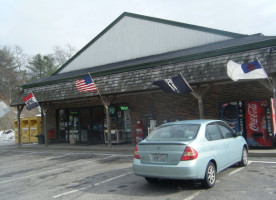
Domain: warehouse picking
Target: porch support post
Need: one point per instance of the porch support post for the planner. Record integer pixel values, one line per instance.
(107, 101)
(271, 86)
(44, 108)
(199, 96)
(107, 104)
(274, 89)
(19, 110)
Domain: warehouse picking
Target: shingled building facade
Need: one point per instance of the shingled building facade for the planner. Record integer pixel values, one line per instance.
(128, 56)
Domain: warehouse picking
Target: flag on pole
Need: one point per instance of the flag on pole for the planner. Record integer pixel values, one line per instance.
(175, 84)
(30, 101)
(252, 70)
(85, 84)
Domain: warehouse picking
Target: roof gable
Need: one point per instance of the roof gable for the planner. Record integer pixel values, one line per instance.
(133, 36)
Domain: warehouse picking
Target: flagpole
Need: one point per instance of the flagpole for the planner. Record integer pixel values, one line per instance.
(97, 90)
(106, 105)
(186, 82)
(273, 86)
(198, 97)
(266, 74)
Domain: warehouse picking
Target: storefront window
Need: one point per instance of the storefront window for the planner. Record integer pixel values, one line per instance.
(81, 125)
(119, 123)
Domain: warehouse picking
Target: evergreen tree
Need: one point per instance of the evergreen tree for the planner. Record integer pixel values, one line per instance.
(8, 75)
(41, 66)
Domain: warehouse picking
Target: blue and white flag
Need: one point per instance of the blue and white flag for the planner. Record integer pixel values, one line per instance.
(252, 70)
(174, 85)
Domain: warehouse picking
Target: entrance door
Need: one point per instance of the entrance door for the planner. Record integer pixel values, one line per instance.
(84, 125)
(97, 135)
(63, 130)
(73, 125)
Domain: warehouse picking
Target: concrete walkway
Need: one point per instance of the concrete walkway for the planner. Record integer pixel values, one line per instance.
(120, 148)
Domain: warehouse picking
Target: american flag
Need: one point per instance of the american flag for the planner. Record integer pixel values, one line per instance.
(85, 84)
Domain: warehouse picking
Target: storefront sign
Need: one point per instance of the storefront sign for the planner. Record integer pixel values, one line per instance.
(124, 108)
(73, 113)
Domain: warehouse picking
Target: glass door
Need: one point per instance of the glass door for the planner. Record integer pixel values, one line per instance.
(73, 125)
(97, 132)
(63, 131)
(84, 125)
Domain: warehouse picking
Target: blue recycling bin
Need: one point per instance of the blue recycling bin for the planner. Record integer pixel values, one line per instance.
(40, 139)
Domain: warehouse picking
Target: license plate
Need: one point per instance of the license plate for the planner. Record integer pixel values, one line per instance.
(159, 157)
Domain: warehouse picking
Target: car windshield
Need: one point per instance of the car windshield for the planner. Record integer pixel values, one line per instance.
(180, 132)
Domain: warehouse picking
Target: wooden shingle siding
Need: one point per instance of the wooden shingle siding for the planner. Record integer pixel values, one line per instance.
(196, 72)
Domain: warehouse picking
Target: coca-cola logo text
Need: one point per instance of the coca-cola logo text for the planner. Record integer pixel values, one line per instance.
(253, 114)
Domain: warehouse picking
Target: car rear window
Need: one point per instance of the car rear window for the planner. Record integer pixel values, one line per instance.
(183, 132)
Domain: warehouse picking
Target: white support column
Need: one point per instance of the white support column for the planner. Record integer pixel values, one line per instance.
(44, 108)
(107, 102)
(199, 96)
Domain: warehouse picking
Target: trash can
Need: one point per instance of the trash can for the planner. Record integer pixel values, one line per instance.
(40, 139)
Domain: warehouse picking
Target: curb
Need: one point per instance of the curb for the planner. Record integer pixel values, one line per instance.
(255, 154)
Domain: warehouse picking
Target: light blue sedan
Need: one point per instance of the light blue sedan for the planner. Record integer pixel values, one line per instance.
(189, 150)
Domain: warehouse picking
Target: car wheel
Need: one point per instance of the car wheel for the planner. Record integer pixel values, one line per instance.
(151, 180)
(210, 176)
(244, 159)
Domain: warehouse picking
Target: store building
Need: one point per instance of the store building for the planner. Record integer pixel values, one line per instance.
(128, 56)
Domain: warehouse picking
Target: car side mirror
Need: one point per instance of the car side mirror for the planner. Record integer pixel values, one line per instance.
(238, 133)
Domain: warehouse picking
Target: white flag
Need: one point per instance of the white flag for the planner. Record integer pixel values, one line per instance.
(4, 109)
(252, 70)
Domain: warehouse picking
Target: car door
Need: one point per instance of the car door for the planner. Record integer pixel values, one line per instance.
(216, 145)
(231, 143)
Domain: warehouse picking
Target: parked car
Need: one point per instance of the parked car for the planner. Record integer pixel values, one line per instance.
(189, 150)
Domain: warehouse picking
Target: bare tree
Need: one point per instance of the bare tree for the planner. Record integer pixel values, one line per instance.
(19, 57)
(61, 55)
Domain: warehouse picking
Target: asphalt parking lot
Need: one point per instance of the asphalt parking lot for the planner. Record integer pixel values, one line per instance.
(72, 174)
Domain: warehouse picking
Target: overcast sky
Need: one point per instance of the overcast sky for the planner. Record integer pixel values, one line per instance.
(39, 25)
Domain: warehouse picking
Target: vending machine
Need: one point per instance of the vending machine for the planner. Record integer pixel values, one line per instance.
(260, 123)
(233, 114)
(255, 119)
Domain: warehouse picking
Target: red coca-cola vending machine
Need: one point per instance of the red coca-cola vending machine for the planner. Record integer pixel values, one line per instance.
(260, 123)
